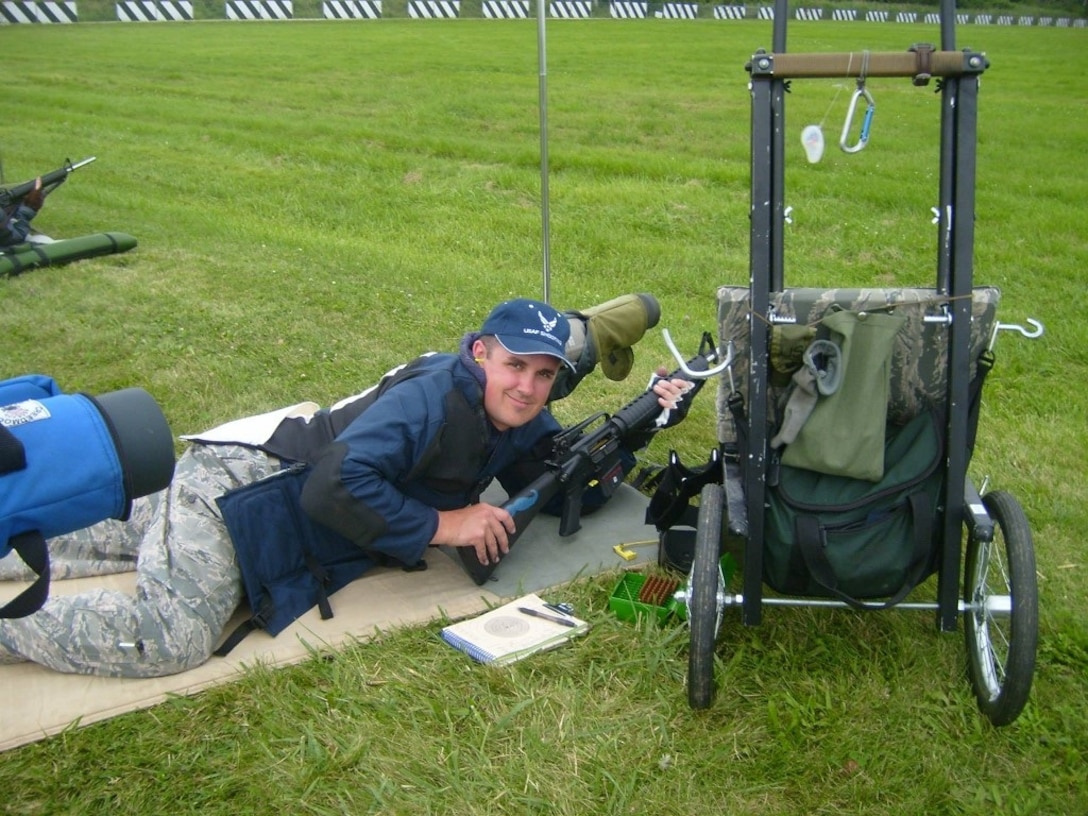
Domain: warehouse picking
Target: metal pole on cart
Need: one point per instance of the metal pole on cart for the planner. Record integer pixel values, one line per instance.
(956, 230)
(542, 63)
(765, 274)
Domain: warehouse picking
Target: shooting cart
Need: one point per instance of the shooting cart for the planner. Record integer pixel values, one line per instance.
(939, 348)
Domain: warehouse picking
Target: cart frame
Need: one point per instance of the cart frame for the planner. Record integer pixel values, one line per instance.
(1001, 664)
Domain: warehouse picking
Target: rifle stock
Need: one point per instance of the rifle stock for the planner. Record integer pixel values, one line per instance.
(579, 457)
(11, 196)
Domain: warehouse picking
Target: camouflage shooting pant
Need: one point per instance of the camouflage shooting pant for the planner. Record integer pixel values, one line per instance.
(187, 579)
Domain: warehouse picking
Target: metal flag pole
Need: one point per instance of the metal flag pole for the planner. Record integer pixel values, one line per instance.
(542, 61)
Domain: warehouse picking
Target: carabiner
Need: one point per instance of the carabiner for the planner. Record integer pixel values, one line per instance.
(866, 123)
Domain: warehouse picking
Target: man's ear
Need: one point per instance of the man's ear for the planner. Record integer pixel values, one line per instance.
(479, 350)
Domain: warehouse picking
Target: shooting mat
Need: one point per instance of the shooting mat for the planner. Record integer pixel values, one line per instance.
(50, 702)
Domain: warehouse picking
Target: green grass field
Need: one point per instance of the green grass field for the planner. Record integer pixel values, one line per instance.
(317, 201)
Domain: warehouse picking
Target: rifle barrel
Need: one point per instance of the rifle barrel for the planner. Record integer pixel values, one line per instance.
(52, 179)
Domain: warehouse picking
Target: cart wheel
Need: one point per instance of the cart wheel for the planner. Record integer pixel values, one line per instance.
(1002, 617)
(704, 609)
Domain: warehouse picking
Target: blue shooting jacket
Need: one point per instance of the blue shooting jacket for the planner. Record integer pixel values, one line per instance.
(364, 483)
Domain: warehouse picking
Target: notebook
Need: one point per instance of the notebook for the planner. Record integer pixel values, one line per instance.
(508, 633)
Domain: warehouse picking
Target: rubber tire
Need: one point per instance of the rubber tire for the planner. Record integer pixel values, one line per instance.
(703, 607)
(1002, 681)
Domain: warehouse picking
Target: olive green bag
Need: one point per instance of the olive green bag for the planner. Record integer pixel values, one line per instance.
(844, 435)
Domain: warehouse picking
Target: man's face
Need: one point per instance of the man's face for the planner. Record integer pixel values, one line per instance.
(517, 384)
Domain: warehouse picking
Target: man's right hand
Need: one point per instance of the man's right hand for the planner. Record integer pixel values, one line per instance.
(484, 527)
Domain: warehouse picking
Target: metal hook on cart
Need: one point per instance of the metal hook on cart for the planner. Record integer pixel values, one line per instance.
(1036, 330)
(866, 123)
(870, 108)
(698, 375)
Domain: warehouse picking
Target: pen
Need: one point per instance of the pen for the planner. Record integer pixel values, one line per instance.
(562, 609)
(525, 610)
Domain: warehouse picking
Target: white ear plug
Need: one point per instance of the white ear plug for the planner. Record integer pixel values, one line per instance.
(812, 138)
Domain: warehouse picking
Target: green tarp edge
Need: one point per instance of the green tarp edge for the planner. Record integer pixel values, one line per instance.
(17, 259)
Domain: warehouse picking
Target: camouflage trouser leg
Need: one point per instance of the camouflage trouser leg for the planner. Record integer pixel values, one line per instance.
(104, 549)
(187, 583)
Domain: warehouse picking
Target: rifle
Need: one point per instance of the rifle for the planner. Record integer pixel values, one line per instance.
(580, 456)
(10, 196)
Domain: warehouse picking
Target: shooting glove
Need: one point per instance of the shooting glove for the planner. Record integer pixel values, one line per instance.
(34, 199)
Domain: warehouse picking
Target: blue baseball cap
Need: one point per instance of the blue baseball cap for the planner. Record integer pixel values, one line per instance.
(529, 327)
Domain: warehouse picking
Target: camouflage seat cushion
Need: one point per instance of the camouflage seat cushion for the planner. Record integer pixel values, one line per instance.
(918, 360)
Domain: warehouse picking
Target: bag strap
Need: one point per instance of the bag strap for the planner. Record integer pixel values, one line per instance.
(12, 452)
(260, 619)
(678, 485)
(983, 367)
(252, 624)
(321, 576)
(648, 477)
(810, 541)
(31, 548)
(735, 403)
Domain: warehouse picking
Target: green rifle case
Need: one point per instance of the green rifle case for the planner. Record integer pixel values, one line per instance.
(19, 258)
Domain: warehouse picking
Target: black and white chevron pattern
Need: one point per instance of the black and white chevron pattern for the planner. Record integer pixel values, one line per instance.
(259, 9)
(627, 9)
(25, 11)
(505, 9)
(351, 9)
(571, 9)
(65, 11)
(730, 12)
(154, 11)
(434, 9)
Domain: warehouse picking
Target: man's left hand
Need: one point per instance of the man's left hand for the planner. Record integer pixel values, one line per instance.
(669, 392)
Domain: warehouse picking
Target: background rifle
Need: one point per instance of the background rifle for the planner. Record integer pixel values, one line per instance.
(10, 196)
(581, 456)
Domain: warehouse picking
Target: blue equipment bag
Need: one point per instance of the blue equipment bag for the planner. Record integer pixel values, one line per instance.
(70, 461)
(28, 546)
(29, 386)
